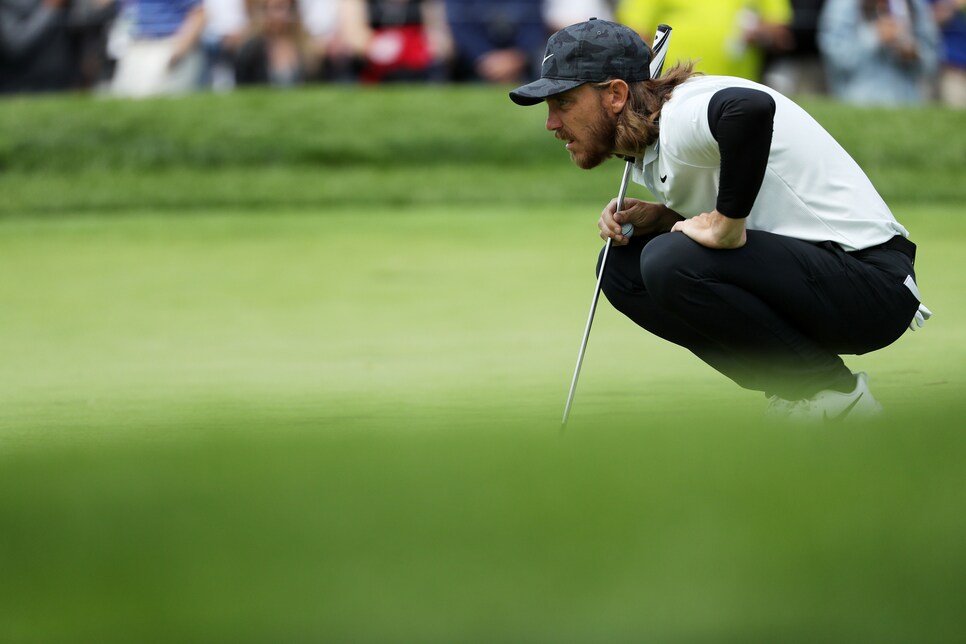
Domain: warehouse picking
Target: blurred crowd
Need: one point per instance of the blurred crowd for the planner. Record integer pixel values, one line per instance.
(885, 52)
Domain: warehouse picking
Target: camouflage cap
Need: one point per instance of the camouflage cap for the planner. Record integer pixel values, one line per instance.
(588, 52)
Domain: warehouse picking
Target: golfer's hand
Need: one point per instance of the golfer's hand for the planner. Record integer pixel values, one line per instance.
(714, 230)
(648, 218)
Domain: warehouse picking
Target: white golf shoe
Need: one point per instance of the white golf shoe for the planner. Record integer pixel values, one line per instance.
(828, 406)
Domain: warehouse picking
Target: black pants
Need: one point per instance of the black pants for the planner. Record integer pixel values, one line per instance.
(774, 315)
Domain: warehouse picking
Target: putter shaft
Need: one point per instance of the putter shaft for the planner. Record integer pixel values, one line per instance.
(593, 302)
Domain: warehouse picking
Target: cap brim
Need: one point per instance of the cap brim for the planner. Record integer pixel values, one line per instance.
(535, 92)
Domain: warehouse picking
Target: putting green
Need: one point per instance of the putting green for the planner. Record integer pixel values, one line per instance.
(150, 317)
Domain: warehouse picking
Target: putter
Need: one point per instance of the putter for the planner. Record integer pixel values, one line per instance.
(658, 54)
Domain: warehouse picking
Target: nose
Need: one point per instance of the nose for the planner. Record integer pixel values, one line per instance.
(553, 121)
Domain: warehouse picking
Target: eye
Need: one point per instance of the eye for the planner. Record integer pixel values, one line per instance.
(560, 101)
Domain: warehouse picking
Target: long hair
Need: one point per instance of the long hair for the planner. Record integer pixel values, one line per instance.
(257, 23)
(639, 124)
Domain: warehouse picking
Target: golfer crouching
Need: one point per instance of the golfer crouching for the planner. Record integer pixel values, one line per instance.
(768, 253)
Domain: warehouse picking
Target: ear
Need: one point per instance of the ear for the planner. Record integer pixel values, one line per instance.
(615, 96)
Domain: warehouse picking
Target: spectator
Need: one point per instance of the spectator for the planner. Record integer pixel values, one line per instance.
(799, 70)
(497, 41)
(320, 18)
(35, 51)
(51, 45)
(726, 37)
(393, 40)
(558, 14)
(225, 29)
(951, 18)
(163, 55)
(277, 51)
(878, 52)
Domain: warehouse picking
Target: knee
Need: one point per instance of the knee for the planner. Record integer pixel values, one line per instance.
(609, 283)
(621, 275)
(668, 266)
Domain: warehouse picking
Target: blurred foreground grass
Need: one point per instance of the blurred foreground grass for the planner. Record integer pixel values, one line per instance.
(264, 378)
(722, 531)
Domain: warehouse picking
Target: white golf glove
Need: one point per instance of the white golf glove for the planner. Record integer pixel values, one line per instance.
(923, 314)
(920, 318)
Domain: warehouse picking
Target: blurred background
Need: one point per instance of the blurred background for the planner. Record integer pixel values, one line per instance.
(290, 299)
(890, 52)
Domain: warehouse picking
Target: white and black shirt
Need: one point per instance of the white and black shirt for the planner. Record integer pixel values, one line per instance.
(745, 149)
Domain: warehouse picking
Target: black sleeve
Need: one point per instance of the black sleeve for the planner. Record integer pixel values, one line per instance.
(742, 121)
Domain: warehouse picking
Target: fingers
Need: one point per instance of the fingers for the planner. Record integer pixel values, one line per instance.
(609, 224)
(620, 225)
(615, 232)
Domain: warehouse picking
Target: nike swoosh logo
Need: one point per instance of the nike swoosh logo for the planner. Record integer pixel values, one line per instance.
(664, 178)
(845, 412)
(547, 58)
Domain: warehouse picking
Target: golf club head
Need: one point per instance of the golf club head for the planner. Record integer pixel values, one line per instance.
(659, 49)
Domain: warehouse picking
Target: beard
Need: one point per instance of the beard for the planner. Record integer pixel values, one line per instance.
(599, 143)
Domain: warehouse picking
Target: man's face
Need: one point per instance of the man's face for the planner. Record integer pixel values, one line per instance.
(578, 117)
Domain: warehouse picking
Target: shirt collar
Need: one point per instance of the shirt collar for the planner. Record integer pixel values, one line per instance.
(650, 153)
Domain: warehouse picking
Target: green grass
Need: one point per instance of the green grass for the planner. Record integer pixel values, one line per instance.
(349, 147)
(277, 398)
